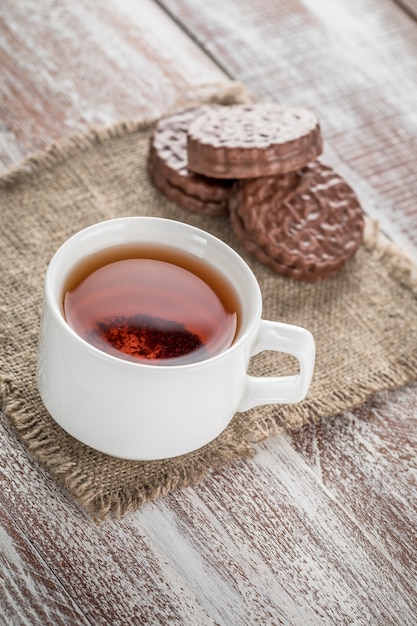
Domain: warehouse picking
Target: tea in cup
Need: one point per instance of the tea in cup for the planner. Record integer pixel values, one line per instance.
(147, 330)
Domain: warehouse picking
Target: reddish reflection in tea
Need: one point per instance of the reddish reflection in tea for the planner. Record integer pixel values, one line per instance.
(151, 311)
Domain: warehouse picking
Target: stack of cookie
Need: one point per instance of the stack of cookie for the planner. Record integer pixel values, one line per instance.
(168, 167)
(258, 163)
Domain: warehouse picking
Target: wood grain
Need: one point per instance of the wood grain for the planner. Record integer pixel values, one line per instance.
(320, 528)
(353, 63)
(259, 543)
(30, 593)
(373, 453)
(66, 66)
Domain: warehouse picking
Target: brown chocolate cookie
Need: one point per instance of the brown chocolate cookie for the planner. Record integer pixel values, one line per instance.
(168, 150)
(246, 141)
(305, 225)
(214, 208)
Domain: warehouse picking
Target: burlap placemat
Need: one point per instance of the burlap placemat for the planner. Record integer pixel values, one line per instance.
(364, 321)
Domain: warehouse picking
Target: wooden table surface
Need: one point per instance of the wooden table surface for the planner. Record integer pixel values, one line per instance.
(321, 526)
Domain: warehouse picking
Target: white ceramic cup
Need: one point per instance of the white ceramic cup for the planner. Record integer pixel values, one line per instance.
(142, 412)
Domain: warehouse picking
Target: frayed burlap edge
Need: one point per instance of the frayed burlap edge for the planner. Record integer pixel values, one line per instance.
(226, 449)
(402, 265)
(402, 268)
(41, 444)
(216, 93)
(45, 450)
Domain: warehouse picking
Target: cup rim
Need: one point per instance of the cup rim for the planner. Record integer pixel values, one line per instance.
(51, 298)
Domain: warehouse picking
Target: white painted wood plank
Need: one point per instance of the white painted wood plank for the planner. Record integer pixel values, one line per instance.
(372, 451)
(353, 63)
(257, 542)
(317, 529)
(30, 594)
(117, 577)
(69, 65)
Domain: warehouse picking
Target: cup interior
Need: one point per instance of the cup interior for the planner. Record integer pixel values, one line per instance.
(162, 232)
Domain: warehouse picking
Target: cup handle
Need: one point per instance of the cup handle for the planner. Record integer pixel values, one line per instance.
(292, 340)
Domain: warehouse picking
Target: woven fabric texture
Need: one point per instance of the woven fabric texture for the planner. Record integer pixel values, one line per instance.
(364, 321)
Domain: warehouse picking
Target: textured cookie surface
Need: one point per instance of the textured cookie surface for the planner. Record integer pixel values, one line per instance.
(247, 141)
(305, 225)
(214, 208)
(168, 150)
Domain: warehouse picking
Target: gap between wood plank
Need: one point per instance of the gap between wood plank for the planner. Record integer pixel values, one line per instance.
(52, 574)
(264, 459)
(194, 39)
(409, 7)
